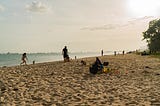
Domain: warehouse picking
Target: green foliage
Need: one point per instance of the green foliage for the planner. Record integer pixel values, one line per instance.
(152, 35)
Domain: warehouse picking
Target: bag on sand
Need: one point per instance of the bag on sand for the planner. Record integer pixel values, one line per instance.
(106, 69)
(106, 63)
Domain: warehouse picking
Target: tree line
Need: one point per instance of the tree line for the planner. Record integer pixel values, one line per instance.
(152, 36)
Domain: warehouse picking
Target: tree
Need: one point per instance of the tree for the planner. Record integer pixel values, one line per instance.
(152, 36)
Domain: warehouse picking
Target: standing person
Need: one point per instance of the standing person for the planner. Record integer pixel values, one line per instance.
(65, 54)
(115, 53)
(24, 58)
(123, 52)
(102, 52)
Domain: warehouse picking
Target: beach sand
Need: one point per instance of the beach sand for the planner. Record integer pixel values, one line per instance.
(133, 81)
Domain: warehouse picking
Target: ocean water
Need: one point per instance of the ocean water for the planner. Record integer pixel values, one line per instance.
(13, 59)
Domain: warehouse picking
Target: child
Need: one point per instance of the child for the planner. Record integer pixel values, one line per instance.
(24, 58)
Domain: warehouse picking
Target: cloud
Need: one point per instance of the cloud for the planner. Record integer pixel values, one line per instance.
(36, 6)
(1, 8)
(104, 27)
(116, 26)
(133, 21)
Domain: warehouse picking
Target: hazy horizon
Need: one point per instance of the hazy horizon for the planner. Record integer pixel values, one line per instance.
(82, 25)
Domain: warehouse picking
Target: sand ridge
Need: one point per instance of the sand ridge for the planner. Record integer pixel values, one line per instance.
(70, 84)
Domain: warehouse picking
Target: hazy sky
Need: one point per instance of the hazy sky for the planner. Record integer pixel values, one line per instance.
(82, 25)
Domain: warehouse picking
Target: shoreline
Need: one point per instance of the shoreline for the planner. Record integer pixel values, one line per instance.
(14, 59)
(57, 83)
(61, 60)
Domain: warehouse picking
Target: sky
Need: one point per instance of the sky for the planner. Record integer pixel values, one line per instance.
(81, 25)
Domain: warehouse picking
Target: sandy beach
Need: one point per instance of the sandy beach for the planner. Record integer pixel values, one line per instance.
(134, 80)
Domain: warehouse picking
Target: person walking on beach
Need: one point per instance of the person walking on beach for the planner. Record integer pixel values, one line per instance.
(101, 52)
(65, 54)
(24, 58)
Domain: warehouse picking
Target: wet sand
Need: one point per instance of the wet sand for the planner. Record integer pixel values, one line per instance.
(133, 81)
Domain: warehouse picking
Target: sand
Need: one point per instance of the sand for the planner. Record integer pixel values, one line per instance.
(133, 81)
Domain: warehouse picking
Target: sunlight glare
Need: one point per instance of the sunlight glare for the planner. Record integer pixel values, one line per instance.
(144, 7)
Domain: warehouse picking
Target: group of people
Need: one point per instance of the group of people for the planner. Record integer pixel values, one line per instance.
(96, 67)
(115, 53)
(64, 53)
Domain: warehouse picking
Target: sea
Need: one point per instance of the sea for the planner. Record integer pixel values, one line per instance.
(13, 59)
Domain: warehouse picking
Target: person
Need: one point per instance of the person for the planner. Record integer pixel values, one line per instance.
(33, 61)
(98, 62)
(101, 52)
(65, 54)
(123, 52)
(24, 58)
(96, 67)
(115, 53)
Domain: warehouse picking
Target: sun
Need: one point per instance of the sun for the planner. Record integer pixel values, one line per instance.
(144, 7)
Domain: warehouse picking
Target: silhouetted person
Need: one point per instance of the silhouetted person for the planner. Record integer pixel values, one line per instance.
(123, 52)
(101, 52)
(24, 58)
(65, 54)
(115, 53)
(33, 61)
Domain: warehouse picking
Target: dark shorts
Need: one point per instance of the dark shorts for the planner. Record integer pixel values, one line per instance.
(65, 56)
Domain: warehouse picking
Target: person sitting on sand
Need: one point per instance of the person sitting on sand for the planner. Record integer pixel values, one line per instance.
(65, 54)
(97, 66)
(24, 58)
